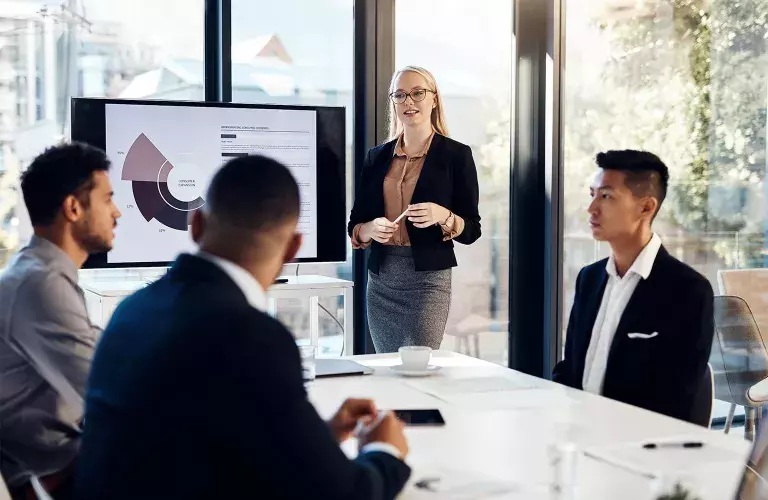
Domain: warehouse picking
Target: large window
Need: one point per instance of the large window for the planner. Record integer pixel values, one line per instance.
(687, 80)
(299, 52)
(52, 51)
(468, 47)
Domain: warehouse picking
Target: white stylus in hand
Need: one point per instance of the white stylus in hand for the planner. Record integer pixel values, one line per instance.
(401, 215)
(363, 428)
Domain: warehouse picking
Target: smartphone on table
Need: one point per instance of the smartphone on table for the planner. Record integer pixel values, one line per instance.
(420, 417)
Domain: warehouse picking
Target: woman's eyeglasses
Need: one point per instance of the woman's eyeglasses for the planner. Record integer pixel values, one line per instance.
(399, 96)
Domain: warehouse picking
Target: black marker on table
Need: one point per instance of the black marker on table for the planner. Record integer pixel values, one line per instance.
(686, 444)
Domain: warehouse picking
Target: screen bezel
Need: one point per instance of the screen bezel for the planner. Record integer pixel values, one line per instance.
(88, 125)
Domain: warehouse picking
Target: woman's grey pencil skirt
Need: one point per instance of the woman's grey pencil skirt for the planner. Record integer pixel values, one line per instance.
(405, 306)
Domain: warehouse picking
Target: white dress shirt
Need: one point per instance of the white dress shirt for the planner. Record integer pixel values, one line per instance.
(257, 298)
(618, 291)
(252, 289)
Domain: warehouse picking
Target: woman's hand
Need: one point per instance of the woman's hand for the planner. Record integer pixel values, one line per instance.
(381, 230)
(427, 214)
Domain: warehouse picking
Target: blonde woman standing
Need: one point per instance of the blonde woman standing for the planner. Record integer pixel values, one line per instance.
(432, 180)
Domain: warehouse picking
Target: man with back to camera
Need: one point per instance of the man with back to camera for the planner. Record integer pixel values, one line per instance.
(196, 393)
(641, 326)
(46, 338)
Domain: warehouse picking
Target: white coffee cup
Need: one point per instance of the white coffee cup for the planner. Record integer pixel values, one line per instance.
(415, 357)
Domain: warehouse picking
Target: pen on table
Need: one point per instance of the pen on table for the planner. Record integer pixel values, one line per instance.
(685, 444)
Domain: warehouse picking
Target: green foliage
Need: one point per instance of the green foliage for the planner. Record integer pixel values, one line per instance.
(688, 80)
(692, 29)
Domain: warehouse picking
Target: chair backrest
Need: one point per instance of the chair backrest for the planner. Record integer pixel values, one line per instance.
(752, 286)
(705, 398)
(738, 356)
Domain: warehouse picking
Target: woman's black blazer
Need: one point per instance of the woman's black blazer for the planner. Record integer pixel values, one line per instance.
(448, 178)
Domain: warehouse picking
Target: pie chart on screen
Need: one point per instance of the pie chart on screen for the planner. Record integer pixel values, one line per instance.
(165, 190)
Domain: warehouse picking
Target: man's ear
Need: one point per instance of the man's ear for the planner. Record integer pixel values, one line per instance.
(72, 209)
(198, 225)
(648, 207)
(293, 248)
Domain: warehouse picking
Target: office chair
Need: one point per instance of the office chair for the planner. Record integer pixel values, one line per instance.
(739, 357)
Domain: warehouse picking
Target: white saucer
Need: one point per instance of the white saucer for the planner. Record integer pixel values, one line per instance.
(416, 373)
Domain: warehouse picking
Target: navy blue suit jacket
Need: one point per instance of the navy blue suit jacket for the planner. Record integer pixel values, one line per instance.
(665, 373)
(195, 394)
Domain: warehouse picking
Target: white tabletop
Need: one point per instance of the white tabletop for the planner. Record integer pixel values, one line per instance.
(507, 436)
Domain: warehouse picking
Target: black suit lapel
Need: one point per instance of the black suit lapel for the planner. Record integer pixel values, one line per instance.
(592, 301)
(637, 305)
(644, 294)
(434, 161)
(381, 167)
(198, 270)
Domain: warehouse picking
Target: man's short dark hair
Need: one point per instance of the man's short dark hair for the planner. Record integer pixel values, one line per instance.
(646, 174)
(254, 193)
(58, 172)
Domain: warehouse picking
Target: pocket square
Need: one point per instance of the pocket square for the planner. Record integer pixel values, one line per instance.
(642, 335)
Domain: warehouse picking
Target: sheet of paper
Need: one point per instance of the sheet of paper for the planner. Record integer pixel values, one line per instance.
(512, 400)
(492, 393)
(444, 484)
(449, 387)
(634, 456)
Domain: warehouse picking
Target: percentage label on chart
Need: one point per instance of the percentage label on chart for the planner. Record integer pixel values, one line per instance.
(121, 152)
(129, 206)
(161, 230)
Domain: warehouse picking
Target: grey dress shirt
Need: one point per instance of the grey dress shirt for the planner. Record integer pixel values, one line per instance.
(46, 346)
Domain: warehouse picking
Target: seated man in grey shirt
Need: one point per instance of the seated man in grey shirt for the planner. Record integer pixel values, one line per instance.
(46, 339)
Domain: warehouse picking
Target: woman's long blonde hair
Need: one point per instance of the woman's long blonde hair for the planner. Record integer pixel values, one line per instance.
(437, 118)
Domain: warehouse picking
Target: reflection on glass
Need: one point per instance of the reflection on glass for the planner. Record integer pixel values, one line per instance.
(53, 51)
(687, 80)
(300, 52)
(468, 47)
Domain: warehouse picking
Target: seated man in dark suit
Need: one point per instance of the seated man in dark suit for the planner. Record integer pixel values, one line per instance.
(641, 326)
(196, 393)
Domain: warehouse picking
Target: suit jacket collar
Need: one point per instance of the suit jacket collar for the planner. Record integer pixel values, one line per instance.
(434, 161)
(252, 289)
(642, 295)
(643, 264)
(595, 295)
(645, 291)
(399, 151)
(197, 270)
(52, 256)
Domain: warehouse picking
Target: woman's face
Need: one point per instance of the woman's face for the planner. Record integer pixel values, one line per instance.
(412, 112)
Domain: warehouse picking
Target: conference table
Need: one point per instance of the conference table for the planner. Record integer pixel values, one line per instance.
(510, 435)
